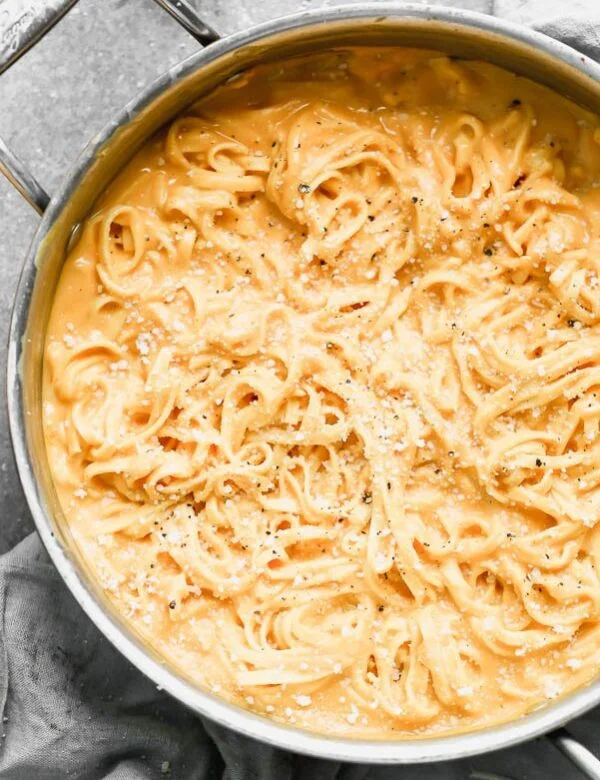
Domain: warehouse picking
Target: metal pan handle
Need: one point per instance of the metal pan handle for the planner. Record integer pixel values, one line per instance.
(22, 24)
(583, 758)
(187, 17)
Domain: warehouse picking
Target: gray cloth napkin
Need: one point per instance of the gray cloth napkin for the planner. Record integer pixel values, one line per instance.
(73, 707)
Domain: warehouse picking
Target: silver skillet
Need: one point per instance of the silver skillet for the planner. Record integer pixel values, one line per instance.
(454, 31)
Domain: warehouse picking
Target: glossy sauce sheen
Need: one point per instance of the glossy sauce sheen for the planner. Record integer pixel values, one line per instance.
(322, 393)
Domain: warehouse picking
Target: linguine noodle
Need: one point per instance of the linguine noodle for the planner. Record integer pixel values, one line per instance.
(322, 393)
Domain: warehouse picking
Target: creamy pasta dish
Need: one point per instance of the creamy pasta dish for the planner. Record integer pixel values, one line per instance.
(322, 393)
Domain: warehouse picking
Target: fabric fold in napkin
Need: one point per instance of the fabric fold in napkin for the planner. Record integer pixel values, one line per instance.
(74, 708)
